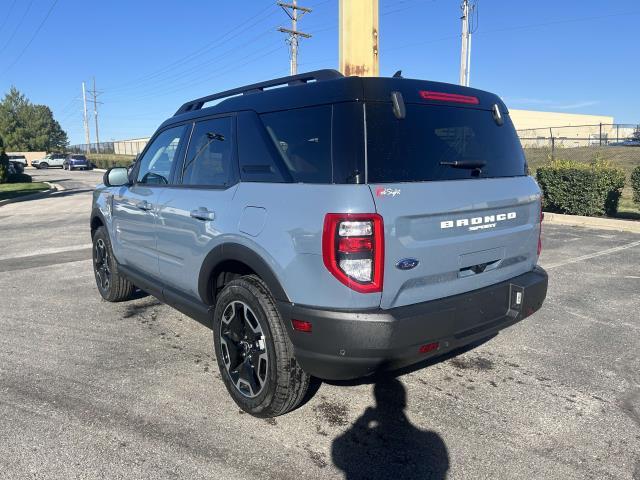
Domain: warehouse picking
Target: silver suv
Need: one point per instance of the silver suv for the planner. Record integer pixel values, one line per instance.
(332, 227)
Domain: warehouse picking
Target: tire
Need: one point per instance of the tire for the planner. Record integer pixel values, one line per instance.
(280, 384)
(43, 166)
(113, 287)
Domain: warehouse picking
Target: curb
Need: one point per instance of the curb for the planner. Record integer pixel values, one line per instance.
(54, 187)
(592, 222)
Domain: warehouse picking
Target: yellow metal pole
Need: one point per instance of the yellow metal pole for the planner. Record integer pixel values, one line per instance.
(359, 39)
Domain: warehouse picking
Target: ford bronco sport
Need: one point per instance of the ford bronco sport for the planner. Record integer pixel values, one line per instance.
(327, 226)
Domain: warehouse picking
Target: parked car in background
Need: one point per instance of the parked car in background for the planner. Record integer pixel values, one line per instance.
(18, 159)
(50, 160)
(76, 161)
(628, 142)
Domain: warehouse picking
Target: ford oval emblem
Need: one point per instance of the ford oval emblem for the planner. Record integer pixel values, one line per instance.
(407, 263)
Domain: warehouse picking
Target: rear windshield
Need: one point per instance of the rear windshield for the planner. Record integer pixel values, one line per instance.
(411, 149)
(78, 157)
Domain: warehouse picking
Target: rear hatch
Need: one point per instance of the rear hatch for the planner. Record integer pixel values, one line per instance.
(448, 176)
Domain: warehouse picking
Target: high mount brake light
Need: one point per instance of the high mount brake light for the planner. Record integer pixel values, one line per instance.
(449, 97)
(353, 249)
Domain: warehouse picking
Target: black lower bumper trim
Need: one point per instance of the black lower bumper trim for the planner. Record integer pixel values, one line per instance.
(351, 344)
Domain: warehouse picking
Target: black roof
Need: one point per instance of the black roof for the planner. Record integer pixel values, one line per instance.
(323, 87)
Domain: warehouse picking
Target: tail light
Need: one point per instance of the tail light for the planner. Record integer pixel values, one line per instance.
(353, 249)
(540, 231)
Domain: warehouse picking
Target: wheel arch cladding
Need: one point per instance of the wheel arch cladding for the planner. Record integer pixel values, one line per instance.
(97, 220)
(216, 259)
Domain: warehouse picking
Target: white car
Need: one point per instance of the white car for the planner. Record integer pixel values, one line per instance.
(18, 159)
(51, 160)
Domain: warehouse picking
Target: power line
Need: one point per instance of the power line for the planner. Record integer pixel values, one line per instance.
(200, 51)
(291, 9)
(6, 18)
(18, 25)
(180, 74)
(35, 34)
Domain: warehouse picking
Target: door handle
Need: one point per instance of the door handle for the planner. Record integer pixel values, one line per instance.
(144, 205)
(202, 214)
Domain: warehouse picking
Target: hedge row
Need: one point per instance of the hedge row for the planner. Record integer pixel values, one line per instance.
(635, 184)
(578, 188)
(107, 161)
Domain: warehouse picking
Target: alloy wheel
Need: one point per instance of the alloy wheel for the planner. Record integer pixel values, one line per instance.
(244, 350)
(101, 264)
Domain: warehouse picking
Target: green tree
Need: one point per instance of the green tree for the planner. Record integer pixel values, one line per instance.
(28, 127)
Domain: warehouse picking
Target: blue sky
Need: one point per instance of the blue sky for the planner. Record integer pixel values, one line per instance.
(149, 57)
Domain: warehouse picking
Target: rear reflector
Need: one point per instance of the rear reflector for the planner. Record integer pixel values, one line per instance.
(302, 326)
(449, 97)
(429, 347)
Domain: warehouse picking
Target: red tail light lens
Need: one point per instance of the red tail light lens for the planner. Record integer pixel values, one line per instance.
(353, 249)
(449, 97)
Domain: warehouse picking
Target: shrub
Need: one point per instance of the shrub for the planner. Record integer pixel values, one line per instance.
(108, 160)
(4, 163)
(578, 188)
(635, 184)
(19, 178)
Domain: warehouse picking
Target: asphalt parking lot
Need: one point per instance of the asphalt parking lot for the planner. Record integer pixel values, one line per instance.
(96, 390)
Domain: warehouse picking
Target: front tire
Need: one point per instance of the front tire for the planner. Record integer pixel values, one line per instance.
(113, 287)
(253, 350)
(44, 166)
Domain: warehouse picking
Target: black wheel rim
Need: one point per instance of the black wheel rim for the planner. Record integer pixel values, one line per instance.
(244, 349)
(101, 264)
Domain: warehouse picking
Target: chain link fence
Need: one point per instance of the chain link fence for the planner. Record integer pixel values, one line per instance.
(120, 147)
(575, 136)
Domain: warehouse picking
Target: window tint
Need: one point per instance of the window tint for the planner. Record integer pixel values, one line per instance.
(258, 158)
(155, 164)
(348, 143)
(411, 149)
(302, 138)
(210, 159)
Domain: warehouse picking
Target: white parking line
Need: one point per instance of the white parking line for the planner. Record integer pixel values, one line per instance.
(593, 255)
(47, 251)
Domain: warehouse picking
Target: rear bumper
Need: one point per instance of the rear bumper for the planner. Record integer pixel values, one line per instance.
(351, 344)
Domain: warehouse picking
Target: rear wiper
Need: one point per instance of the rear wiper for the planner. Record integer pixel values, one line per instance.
(470, 164)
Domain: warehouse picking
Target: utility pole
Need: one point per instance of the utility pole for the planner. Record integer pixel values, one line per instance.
(358, 39)
(465, 51)
(291, 9)
(94, 93)
(86, 119)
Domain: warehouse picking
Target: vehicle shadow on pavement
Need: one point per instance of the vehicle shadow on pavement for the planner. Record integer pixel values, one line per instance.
(383, 443)
(66, 193)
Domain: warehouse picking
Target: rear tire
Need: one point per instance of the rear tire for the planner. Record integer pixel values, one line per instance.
(113, 287)
(252, 343)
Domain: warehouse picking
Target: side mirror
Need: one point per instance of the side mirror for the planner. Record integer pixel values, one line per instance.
(116, 177)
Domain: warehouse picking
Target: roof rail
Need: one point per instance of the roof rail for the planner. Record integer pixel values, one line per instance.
(317, 75)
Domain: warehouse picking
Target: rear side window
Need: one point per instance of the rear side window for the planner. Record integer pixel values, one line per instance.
(411, 149)
(259, 159)
(210, 158)
(302, 138)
